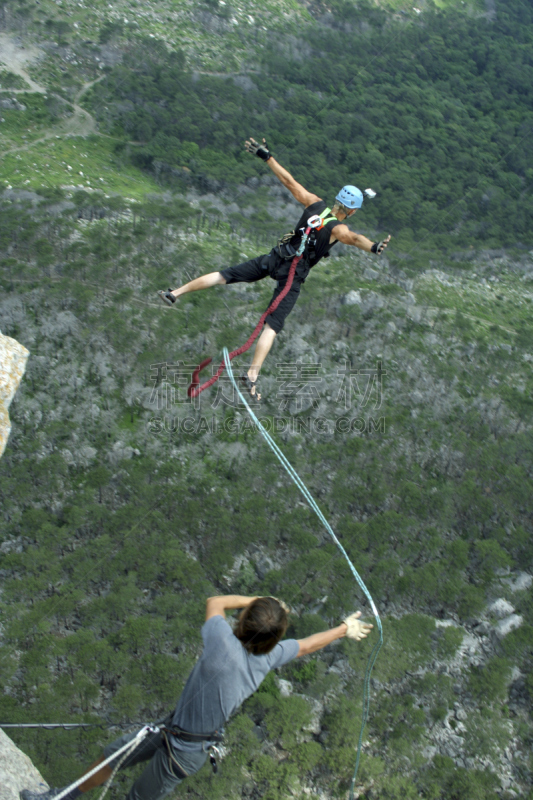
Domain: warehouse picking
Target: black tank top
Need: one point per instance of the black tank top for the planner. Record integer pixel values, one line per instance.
(319, 245)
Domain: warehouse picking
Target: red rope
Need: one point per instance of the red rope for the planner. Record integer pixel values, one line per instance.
(194, 389)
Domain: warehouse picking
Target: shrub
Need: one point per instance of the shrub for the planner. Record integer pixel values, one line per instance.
(449, 641)
(287, 718)
(444, 781)
(489, 682)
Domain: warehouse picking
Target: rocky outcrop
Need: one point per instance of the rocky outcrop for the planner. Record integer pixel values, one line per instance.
(16, 771)
(13, 357)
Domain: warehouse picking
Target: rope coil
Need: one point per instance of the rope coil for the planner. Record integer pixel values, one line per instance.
(306, 493)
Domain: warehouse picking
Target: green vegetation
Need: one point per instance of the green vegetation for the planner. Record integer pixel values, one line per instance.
(491, 679)
(93, 162)
(449, 641)
(444, 780)
(8, 80)
(118, 520)
(106, 557)
(461, 111)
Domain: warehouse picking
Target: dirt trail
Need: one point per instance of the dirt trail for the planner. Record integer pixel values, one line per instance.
(15, 58)
(80, 123)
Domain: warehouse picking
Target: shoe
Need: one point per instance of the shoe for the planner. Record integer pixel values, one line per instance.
(167, 297)
(256, 397)
(29, 794)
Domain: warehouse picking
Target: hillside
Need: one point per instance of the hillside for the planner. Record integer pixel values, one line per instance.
(400, 389)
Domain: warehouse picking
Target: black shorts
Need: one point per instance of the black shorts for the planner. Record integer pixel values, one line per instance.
(266, 267)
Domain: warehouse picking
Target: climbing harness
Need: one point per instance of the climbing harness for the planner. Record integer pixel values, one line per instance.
(126, 750)
(179, 733)
(286, 250)
(172, 760)
(308, 496)
(311, 246)
(195, 388)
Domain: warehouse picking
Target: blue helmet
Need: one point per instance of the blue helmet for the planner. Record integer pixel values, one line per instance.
(350, 196)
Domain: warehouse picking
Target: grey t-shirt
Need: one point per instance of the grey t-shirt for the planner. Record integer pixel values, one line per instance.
(223, 677)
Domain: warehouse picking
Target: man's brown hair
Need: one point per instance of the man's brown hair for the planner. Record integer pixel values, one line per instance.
(261, 625)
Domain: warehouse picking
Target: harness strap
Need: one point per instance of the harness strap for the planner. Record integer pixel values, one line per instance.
(173, 763)
(285, 239)
(194, 737)
(329, 219)
(311, 250)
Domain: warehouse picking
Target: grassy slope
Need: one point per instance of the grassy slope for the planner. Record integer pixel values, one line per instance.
(92, 162)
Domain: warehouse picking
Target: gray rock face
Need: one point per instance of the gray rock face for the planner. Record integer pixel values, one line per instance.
(313, 727)
(16, 771)
(353, 298)
(371, 274)
(501, 608)
(263, 565)
(285, 687)
(122, 452)
(11, 103)
(422, 315)
(372, 302)
(406, 283)
(508, 624)
(519, 582)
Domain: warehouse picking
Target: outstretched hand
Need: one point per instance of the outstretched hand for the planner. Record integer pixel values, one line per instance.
(356, 629)
(379, 247)
(256, 149)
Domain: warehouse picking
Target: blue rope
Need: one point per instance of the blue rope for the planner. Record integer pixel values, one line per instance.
(306, 493)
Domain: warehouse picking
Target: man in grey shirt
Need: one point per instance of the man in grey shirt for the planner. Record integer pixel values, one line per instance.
(230, 669)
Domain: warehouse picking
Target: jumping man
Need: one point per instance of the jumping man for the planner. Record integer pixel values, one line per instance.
(277, 263)
(230, 669)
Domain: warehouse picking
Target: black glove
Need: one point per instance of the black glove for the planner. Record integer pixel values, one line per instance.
(378, 248)
(256, 149)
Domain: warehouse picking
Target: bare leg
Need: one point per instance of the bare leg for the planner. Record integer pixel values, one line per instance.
(98, 779)
(203, 282)
(262, 349)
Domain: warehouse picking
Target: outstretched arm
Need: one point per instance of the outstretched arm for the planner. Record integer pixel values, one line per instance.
(351, 627)
(228, 602)
(346, 236)
(296, 189)
(317, 641)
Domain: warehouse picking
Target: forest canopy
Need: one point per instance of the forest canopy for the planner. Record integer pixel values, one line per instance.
(435, 114)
